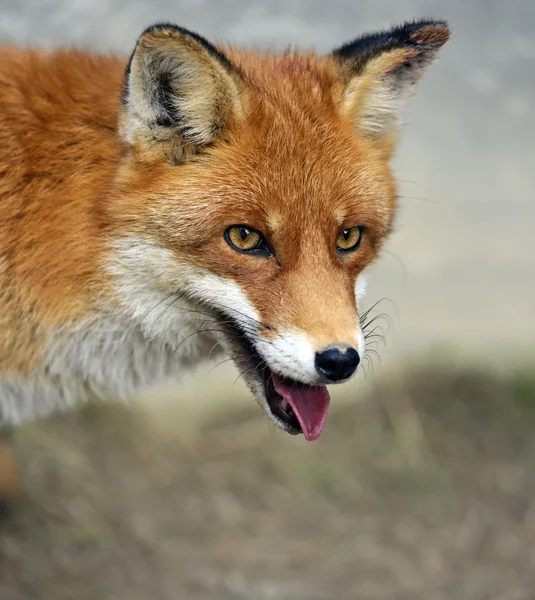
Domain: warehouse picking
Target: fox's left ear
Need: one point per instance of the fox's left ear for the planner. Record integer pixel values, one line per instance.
(180, 93)
(380, 70)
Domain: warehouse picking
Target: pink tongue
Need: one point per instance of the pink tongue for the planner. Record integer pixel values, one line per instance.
(310, 404)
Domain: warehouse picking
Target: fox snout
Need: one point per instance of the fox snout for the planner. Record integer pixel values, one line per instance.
(301, 356)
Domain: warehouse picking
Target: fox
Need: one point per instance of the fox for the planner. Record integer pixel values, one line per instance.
(193, 201)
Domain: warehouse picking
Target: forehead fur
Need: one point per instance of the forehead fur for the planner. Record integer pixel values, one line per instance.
(292, 158)
(290, 70)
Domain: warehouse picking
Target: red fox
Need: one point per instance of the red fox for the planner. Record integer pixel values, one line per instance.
(191, 201)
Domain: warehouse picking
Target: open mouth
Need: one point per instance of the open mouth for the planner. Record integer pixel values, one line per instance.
(294, 406)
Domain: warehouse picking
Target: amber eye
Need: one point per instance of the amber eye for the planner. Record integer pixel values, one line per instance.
(349, 239)
(245, 239)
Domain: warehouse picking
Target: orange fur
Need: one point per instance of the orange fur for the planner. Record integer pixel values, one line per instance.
(205, 139)
(58, 158)
(58, 142)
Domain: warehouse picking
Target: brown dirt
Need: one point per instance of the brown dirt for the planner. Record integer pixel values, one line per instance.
(425, 491)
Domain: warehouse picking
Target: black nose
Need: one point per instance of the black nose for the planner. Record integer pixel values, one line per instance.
(337, 363)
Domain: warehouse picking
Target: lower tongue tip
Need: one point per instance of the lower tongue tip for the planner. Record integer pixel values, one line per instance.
(311, 436)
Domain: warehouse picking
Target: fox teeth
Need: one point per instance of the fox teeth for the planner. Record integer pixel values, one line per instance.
(284, 405)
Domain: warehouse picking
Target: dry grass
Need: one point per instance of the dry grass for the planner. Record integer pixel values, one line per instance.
(424, 491)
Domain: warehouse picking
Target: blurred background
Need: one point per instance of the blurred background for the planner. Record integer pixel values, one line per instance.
(422, 484)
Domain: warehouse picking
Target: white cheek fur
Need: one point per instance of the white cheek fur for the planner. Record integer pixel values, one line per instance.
(227, 296)
(291, 354)
(361, 286)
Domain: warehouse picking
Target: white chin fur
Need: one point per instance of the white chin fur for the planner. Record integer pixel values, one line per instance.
(291, 355)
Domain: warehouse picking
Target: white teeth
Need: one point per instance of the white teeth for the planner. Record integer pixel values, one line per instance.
(284, 405)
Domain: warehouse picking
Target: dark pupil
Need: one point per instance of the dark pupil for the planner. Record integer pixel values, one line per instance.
(345, 233)
(244, 233)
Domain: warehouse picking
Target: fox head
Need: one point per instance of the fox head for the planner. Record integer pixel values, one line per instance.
(256, 188)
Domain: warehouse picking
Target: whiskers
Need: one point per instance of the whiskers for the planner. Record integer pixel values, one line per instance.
(243, 328)
(215, 319)
(375, 326)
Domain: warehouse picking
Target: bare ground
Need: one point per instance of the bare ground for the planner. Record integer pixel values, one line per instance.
(424, 491)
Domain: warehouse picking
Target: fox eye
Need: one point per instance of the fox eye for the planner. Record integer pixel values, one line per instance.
(349, 239)
(246, 239)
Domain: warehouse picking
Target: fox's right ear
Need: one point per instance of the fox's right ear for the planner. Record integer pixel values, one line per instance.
(180, 93)
(380, 70)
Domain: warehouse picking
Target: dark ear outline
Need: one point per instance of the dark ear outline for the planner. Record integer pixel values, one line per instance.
(217, 54)
(418, 35)
(379, 71)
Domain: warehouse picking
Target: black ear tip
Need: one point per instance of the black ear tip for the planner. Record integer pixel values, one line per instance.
(429, 32)
(163, 28)
(428, 22)
(420, 32)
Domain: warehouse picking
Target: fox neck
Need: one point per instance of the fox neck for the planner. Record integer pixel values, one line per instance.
(111, 358)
